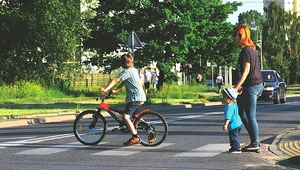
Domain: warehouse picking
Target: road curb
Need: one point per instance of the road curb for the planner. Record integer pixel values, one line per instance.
(273, 147)
(38, 119)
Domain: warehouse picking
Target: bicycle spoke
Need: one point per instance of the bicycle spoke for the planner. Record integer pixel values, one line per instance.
(89, 127)
(152, 129)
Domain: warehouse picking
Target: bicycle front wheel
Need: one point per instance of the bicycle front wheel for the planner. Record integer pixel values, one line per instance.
(90, 127)
(152, 128)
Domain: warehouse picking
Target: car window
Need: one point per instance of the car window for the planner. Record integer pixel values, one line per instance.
(268, 76)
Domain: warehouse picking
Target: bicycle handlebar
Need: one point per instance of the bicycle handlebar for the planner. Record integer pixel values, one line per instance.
(105, 95)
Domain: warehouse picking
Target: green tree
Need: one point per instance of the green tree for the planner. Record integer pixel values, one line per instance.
(274, 39)
(173, 31)
(293, 47)
(253, 19)
(281, 42)
(40, 39)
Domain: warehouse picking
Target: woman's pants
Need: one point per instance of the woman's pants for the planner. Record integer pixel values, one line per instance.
(247, 111)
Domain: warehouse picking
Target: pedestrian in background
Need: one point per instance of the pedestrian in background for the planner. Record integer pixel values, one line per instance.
(141, 75)
(249, 83)
(147, 79)
(198, 79)
(161, 77)
(155, 75)
(233, 122)
(219, 82)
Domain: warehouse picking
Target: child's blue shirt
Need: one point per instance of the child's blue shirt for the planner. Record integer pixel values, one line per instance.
(232, 114)
(134, 89)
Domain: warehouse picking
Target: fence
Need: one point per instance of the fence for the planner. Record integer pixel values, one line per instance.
(98, 79)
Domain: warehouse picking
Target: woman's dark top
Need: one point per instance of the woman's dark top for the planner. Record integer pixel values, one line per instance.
(250, 55)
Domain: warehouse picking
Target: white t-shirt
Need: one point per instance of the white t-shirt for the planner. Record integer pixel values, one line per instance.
(155, 77)
(147, 77)
(219, 79)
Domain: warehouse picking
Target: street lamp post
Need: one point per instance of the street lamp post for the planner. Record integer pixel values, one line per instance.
(261, 61)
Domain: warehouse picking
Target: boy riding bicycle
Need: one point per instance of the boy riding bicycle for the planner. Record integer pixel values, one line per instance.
(135, 95)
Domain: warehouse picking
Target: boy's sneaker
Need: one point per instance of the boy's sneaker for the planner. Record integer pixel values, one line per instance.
(132, 141)
(236, 151)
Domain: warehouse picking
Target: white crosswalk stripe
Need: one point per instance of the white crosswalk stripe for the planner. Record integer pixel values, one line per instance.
(205, 151)
(53, 149)
(33, 140)
(209, 150)
(130, 150)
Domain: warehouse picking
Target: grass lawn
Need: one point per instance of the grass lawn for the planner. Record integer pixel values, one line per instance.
(21, 108)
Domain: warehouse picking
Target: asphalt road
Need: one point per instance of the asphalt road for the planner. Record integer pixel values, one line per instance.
(195, 141)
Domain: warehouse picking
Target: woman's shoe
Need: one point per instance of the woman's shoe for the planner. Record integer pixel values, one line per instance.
(251, 147)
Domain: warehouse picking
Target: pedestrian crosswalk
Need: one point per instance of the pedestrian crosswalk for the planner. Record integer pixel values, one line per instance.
(209, 150)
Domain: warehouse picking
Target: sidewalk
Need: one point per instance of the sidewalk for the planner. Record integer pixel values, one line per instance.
(286, 147)
(284, 150)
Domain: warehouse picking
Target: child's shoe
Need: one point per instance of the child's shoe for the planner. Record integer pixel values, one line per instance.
(236, 151)
(132, 141)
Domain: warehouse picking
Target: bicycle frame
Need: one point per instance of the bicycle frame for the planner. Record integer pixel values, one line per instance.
(110, 110)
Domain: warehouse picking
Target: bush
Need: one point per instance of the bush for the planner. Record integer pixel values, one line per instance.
(27, 91)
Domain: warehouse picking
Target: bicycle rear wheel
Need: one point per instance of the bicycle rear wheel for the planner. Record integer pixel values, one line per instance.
(152, 128)
(90, 127)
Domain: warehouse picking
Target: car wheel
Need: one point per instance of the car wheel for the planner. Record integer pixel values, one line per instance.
(283, 100)
(277, 99)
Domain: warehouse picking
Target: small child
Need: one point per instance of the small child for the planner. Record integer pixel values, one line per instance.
(233, 122)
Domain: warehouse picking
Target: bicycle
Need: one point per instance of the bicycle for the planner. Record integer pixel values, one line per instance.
(90, 126)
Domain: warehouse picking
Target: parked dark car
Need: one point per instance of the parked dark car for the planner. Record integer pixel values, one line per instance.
(275, 87)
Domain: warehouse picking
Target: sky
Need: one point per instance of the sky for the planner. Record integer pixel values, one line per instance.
(247, 6)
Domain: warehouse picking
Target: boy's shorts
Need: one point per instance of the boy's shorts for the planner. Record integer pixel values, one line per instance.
(147, 85)
(131, 107)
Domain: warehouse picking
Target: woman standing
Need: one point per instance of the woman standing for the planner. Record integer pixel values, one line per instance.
(249, 84)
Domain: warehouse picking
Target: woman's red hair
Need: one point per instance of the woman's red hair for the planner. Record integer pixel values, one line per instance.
(244, 32)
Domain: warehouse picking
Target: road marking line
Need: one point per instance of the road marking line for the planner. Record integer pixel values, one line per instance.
(193, 116)
(17, 138)
(130, 150)
(34, 140)
(209, 150)
(53, 149)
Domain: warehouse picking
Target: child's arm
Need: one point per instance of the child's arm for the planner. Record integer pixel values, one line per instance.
(119, 87)
(111, 84)
(226, 122)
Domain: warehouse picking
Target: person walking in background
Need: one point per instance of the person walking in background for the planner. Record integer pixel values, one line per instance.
(249, 83)
(141, 75)
(233, 122)
(198, 79)
(135, 95)
(155, 75)
(161, 77)
(147, 79)
(219, 82)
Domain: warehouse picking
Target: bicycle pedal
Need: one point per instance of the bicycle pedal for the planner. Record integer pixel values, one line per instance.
(152, 137)
(114, 129)
(152, 140)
